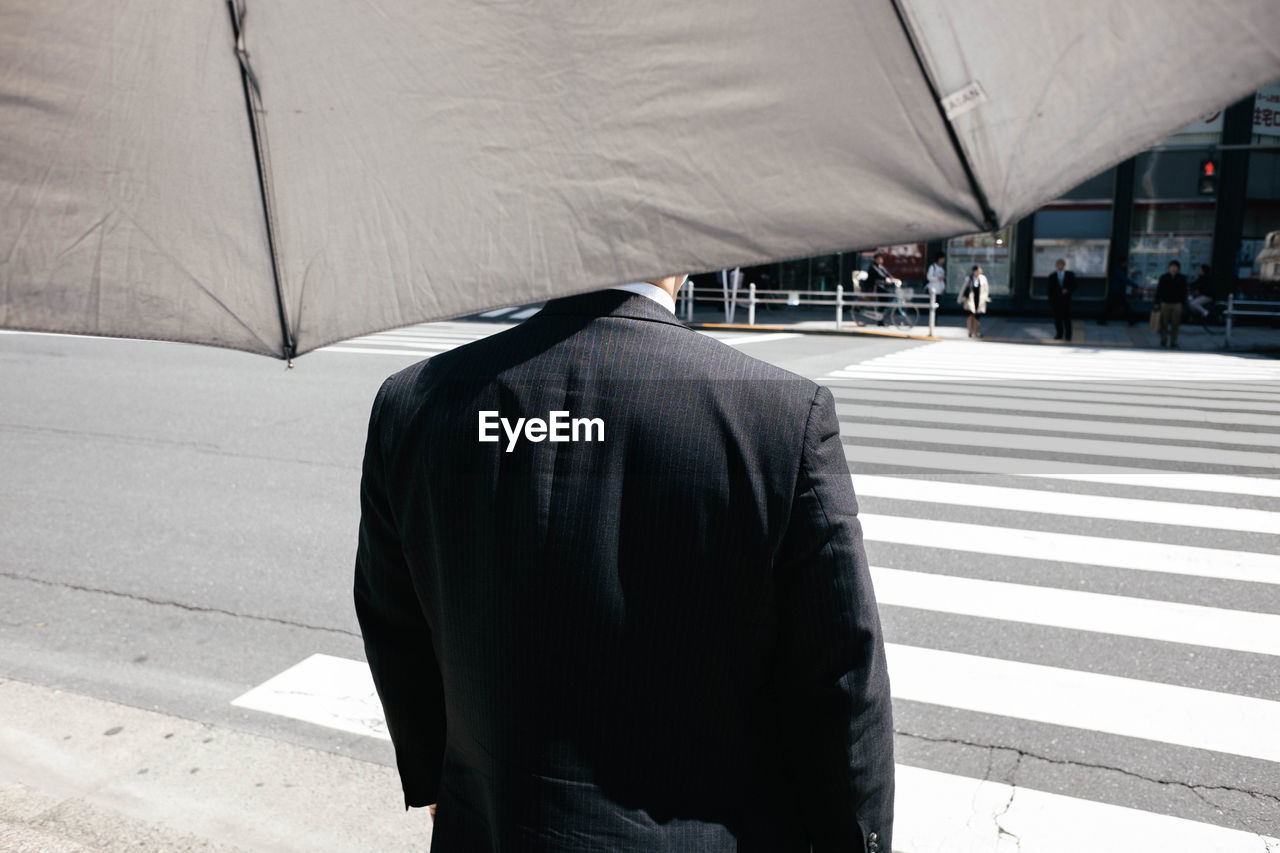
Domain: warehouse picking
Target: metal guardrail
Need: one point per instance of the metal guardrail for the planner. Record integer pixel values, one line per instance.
(832, 298)
(1270, 309)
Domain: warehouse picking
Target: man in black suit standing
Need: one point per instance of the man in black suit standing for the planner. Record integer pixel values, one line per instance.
(613, 594)
(1171, 292)
(1061, 284)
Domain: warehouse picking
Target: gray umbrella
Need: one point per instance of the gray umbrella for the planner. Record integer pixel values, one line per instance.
(276, 176)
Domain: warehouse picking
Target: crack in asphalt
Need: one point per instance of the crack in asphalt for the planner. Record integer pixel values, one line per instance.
(1013, 792)
(193, 608)
(1196, 790)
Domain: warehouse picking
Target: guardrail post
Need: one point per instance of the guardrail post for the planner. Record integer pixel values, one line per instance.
(688, 302)
(1231, 297)
(933, 310)
(839, 307)
(751, 304)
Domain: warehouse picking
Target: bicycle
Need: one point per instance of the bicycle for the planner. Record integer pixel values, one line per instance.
(898, 311)
(1215, 315)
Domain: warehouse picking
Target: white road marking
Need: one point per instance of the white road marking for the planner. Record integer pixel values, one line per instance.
(986, 360)
(1059, 470)
(960, 368)
(1072, 548)
(1053, 423)
(416, 353)
(1073, 405)
(423, 342)
(957, 814)
(1166, 621)
(498, 312)
(1006, 441)
(328, 691)
(526, 313)
(1149, 710)
(753, 337)
(939, 811)
(430, 335)
(1068, 503)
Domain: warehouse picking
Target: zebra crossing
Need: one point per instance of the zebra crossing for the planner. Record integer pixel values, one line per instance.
(427, 339)
(1075, 554)
(1077, 560)
(421, 341)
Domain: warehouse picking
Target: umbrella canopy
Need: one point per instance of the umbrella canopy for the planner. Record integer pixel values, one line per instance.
(276, 176)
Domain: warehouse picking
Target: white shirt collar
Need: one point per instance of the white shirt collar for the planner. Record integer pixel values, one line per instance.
(650, 291)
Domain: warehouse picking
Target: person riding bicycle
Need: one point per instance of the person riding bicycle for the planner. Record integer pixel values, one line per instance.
(1200, 294)
(879, 280)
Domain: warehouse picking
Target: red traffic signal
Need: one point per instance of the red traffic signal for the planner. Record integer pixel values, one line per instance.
(1208, 183)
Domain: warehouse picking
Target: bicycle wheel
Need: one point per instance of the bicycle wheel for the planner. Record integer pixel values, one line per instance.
(905, 316)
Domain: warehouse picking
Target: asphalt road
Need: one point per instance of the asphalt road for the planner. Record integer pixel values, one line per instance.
(179, 525)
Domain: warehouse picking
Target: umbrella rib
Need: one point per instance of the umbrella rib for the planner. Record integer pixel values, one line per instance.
(990, 221)
(253, 103)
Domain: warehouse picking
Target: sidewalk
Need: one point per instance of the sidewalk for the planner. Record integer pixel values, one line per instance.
(1021, 330)
(83, 775)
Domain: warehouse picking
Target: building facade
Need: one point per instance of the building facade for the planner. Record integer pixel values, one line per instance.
(1207, 195)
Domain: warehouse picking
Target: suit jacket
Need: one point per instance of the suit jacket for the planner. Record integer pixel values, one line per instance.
(665, 639)
(877, 278)
(1171, 289)
(1061, 293)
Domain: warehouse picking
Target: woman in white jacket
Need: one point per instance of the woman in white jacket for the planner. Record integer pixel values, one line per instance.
(974, 298)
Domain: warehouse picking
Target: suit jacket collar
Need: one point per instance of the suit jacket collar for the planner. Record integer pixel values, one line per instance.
(610, 303)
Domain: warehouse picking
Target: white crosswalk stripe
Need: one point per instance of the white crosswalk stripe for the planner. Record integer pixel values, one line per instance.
(1174, 483)
(941, 813)
(980, 360)
(1046, 399)
(1067, 503)
(1167, 621)
(428, 339)
(1132, 554)
(1053, 469)
(1064, 423)
(1087, 700)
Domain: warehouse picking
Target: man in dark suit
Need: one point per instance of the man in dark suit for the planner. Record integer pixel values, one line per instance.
(654, 633)
(1171, 292)
(1061, 284)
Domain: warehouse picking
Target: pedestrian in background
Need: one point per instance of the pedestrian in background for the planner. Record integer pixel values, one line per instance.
(1118, 294)
(1061, 284)
(936, 277)
(1171, 292)
(1200, 293)
(879, 280)
(973, 298)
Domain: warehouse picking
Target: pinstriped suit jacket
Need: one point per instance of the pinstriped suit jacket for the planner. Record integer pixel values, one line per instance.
(663, 640)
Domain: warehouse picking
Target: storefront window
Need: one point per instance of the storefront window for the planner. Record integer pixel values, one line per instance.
(1262, 196)
(1261, 216)
(1077, 229)
(991, 251)
(906, 261)
(1171, 220)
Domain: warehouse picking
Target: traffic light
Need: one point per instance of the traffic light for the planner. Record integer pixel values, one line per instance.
(1208, 177)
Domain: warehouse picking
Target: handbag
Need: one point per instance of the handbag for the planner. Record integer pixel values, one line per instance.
(1155, 320)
